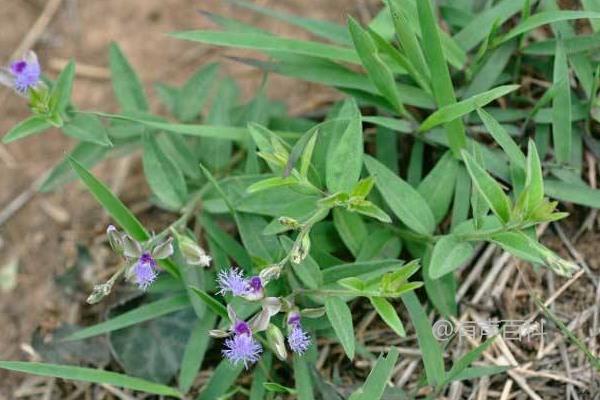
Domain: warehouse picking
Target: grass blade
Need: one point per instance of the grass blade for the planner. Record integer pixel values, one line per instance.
(269, 43)
(561, 107)
(432, 353)
(453, 111)
(440, 76)
(135, 316)
(115, 207)
(90, 375)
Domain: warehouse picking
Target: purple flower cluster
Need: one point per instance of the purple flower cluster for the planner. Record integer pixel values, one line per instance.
(22, 74)
(242, 347)
(232, 281)
(145, 271)
(298, 338)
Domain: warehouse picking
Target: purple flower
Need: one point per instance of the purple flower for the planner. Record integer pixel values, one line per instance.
(255, 284)
(232, 281)
(298, 338)
(242, 347)
(241, 328)
(145, 271)
(23, 74)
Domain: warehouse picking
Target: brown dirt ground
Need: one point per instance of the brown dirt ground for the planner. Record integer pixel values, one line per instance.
(43, 234)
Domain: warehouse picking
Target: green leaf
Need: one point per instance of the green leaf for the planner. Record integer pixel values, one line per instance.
(433, 359)
(88, 128)
(216, 152)
(332, 74)
(441, 82)
(304, 384)
(388, 314)
(561, 107)
(163, 176)
(340, 317)
(221, 379)
(126, 84)
(409, 42)
(137, 315)
(29, 126)
(520, 245)
(258, 245)
(273, 182)
(512, 150)
(61, 92)
(195, 349)
(406, 203)
(215, 306)
(466, 360)
(488, 188)
(195, 92)
(377, 380)
(110, 202)
(547, 17)
(461, 202)
(491, 69)
(88, 154)
(479, 27)
(351, 229)
(344, 156)
(456, 110)
(377, 70)
(572, 193)
(269, 43)
(572, 45)
(382, 244)
(369, 209)
(534, 181)
(448, 254)
(231, 246)
(262, 372)
(163, 340)
(437, 187)
(336, 272)
(325, 29)
(90, 375)
(441, 291)
(277, 388)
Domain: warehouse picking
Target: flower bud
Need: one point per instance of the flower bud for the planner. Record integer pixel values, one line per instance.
(163, 250)
(192, 252)
(131, 248)
(270, 273)
(560, 265)
(276, 341)
(313, 312)
(115, 239)
(218, 333)
(301, 249)
(289, 222)
(99, 292)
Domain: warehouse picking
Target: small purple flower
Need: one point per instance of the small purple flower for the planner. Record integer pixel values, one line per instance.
(145, 271)
(298, 338)
(24, 74)
(232, 281)
(242, 347)
(241, 328)
(255, 284)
